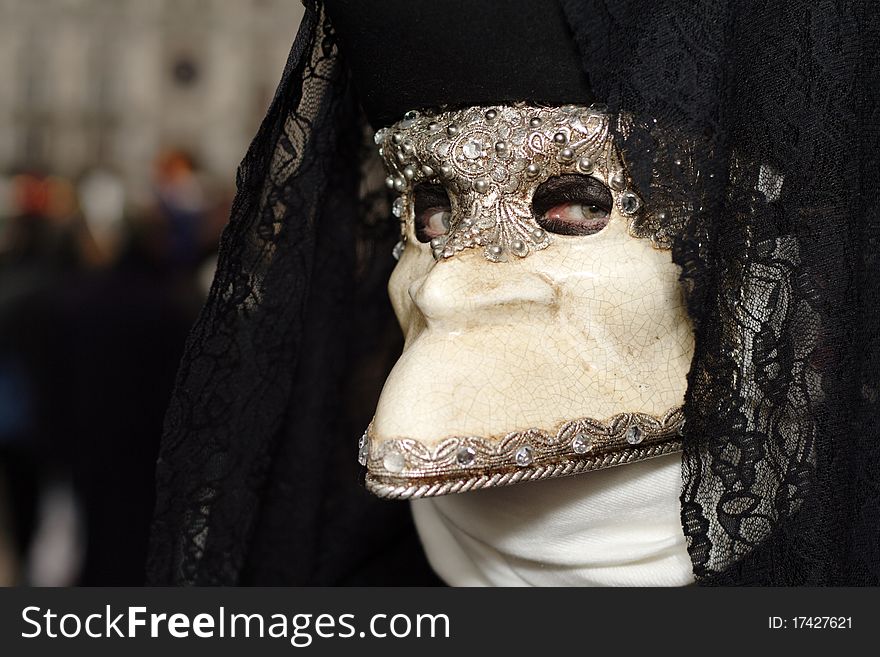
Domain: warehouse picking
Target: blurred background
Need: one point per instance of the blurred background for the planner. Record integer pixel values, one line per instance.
(122, 123)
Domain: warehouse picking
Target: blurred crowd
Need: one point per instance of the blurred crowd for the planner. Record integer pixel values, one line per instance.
(96, 299)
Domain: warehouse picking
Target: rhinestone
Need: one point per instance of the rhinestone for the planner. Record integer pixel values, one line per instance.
(452, 130)
(629, 203)
(566, 154)
(678, 163)
(518, 247)
(397, 138)
(481, 185)
(472, 149)
(409, 118)
(617, 181)
(662, 216)
(466, 456)
(399, 184)
(524, 456)
(380, 135)
(437, 252)
(389, 182)
(397, 251)
(533, 170)
(433, 126)
(394, 461)
(448, 253)
(560, 138)
(585, 164)
(538, 234)
(491, 114)
(634, 435)
(582, 443)
(599, 107)
(363, 449)
(398, 206)
(535, 122)
(409, 173)
(427, 171)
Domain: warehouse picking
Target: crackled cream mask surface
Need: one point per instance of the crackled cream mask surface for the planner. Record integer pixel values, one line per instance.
(545, 330)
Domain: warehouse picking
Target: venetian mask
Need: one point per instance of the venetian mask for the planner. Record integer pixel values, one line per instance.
(545, 329)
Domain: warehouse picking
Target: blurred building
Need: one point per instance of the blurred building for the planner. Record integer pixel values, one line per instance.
(112, 83)
(125, 121)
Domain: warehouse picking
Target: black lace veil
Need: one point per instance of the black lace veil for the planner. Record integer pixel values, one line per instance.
(755, 125)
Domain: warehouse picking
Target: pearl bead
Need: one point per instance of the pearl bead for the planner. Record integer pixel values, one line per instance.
(394, 462)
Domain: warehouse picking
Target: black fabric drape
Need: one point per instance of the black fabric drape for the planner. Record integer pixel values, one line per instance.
(757, 123)
(776, 105)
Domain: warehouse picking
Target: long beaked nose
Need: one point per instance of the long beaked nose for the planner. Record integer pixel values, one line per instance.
(469, 289)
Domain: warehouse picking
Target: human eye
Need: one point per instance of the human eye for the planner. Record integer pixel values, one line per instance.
(432, 211)
(572, 205)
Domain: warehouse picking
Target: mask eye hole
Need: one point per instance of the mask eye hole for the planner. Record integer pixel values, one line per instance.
(432, 210)
(572, 205)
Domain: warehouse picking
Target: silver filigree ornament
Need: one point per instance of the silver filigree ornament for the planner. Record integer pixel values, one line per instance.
(405, 468)
(491, 160)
